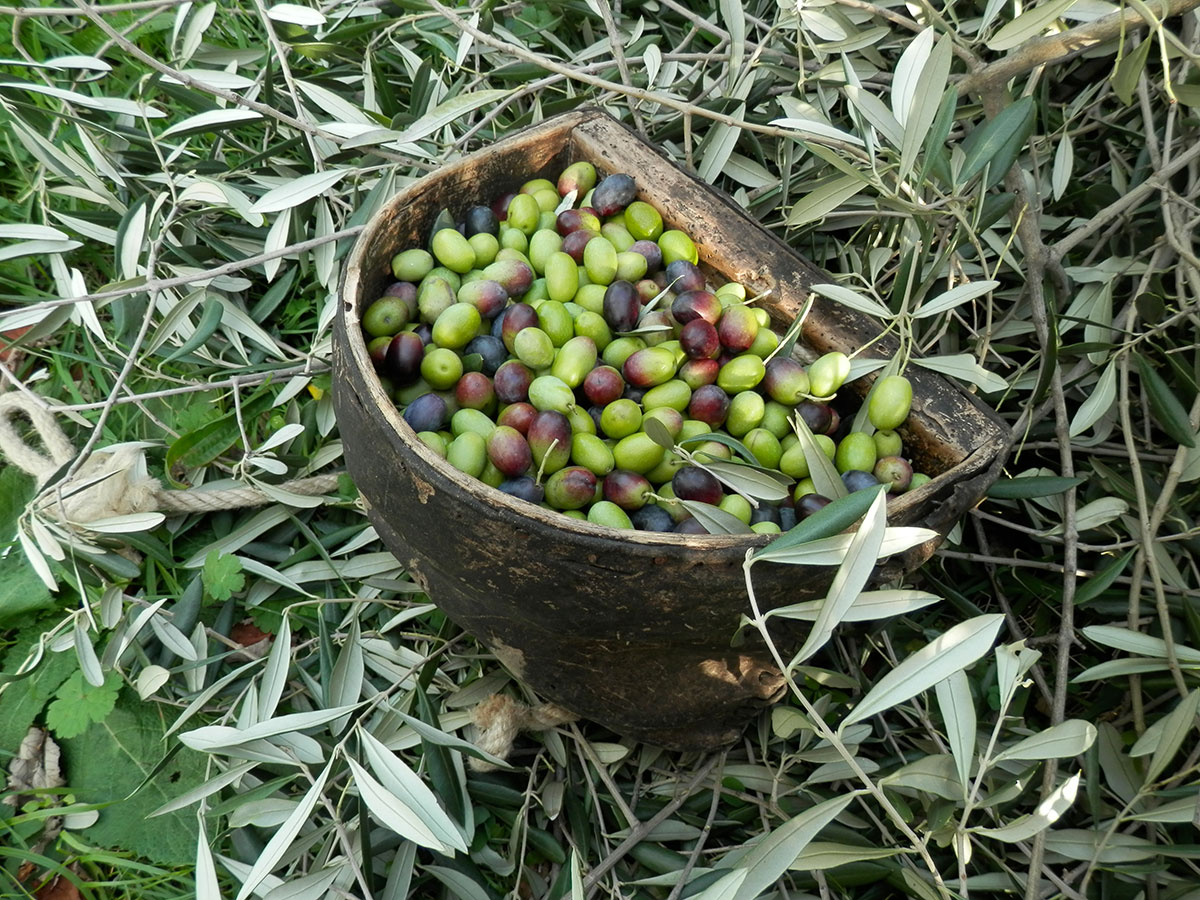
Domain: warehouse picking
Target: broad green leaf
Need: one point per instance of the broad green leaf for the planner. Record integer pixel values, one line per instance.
(834, 518)
(926, 101)
(820, 855)
(951, 652)
(1164, 405)
(396, 815)
(449, 111)
(869, 606)
(759, 483)
(852, 299)
(1102, 580)
(1135, 642)
(1174, 730)
(1084, 845)
(274, 679)
(714, 519)
(1069, 738)
(283, 837)
(408, 788)
(1101, 399)
(1180, 812)
(1029, 24)
(876, 113)
(908, 72)
(851, 577)
(956, 296)
(819, 203)
(1187, 94)
(1129, 69)
(958, 713)
(298, 190)
(1032, 486)
(997, 143)
(964, 366)
(218, 737)
(821, 470)
(818, 129)
(772, 854)
(1047, 813)
(1064, 164)
(210, 121)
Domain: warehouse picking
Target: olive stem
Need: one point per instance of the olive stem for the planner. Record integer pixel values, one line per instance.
(759, 621)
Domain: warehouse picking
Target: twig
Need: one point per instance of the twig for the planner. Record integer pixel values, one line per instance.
(1058, 48)
(694, 856)
(638, 833)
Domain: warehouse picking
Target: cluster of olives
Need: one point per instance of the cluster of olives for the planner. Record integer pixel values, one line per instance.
(532, 344)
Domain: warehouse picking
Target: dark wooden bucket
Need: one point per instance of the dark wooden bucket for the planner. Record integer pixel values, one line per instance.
(631, 630)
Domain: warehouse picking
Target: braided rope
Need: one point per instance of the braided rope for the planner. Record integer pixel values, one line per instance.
(500, 719)
(114, 481)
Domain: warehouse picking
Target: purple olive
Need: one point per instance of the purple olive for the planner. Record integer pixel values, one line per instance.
(491, 349)
(517, 415)
(816, 416)
(894, 471)
(402, 361)
(651, 251)
(622, 306)
(613, 194)
(694, 483)
(512, 381)
(508, 451)
(684, 275)
(696, 305)
(700, 340)
(523, 487)
(809, 504)
(474, 390)
(709, 404)
(427, 413)
(603, 385)
(628, 490)
(858, 480)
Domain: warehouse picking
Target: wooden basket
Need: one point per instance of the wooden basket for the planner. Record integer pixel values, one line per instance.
(629, 629)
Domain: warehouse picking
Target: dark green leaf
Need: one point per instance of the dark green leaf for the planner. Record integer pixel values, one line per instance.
(1032, 486)
(997, 143)
(658, 433)
(1164, 405)
(1102, 580)
(110, 761)
(833, 519)
(1129, 69)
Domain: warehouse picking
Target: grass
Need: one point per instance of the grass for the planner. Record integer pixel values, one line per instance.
(972, 151)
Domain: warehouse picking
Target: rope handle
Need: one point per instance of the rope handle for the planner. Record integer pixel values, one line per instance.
(114, 481)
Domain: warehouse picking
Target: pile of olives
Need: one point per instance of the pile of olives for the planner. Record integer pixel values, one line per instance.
(532, 345)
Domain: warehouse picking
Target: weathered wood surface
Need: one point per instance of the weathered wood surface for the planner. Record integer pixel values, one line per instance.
(631, 630)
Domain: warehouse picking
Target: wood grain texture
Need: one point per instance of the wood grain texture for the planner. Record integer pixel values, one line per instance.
(631, 630)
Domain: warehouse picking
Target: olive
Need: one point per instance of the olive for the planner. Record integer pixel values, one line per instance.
(856, 451)
(694, 483)
(509, 451)
(890, 402)
(887, 443)
(651, 517)
(622, 307)
(512, 381)
(402, 361)
(549, 440)
(481, 220)
(602, 512)
(571, 488)
(649, 250)
(518, 415)
(579, 177)
(385, 317)
(613, 194)
(412, 265)
(709, 404)
(492, 351)
(894, 471)
(700, 339)
(523, 487)
(737, 328)
(602, 385)
(475, 391)
(858, 480)
(427, 412)
(786, 381)
(697, 304)
(809, 504)
(828, 373)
